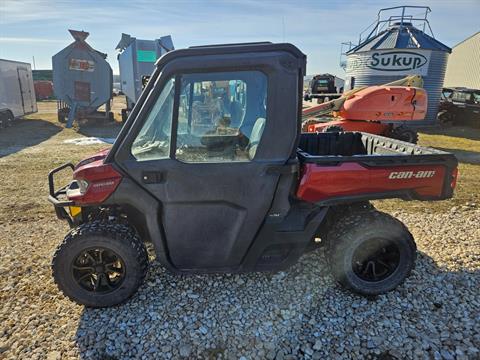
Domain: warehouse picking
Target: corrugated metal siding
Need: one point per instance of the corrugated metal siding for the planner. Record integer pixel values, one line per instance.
(389, 41)
(433, 82)
(464, 64)
(397, 37)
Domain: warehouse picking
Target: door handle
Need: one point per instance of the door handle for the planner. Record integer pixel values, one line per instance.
(153, 177)
(282, 169)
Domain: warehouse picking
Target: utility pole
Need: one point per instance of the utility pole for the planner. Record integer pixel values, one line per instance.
(34, 67)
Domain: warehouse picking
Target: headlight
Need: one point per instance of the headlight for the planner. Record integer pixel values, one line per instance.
(83, 186)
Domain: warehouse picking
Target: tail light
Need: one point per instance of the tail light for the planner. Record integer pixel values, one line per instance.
(311, 128)
(94, 183)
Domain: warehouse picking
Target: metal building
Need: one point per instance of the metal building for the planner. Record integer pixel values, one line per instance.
(136, 63)
(82, 79)
(395, 47)
(463, 69)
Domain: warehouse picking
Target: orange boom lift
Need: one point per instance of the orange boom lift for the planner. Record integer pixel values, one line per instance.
(382, 110)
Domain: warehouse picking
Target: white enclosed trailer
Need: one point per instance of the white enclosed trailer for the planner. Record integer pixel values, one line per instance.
(17, 95)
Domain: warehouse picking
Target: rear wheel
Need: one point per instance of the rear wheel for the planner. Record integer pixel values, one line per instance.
(6, 119)
(9, 118)
(100, 264)
(3, 120)
(405, 133)
(370, 252)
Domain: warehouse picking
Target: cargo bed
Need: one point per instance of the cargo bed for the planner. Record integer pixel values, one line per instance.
(354, 166)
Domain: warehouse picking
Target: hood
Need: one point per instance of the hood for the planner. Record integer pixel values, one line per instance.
(97, 158)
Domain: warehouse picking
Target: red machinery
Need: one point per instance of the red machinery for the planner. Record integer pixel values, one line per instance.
(43, 89)
(381, 110)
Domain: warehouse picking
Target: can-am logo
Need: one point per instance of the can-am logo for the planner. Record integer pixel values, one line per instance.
(411, 174)
(396, 61)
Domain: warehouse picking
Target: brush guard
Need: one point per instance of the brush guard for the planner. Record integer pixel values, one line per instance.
(56, 196)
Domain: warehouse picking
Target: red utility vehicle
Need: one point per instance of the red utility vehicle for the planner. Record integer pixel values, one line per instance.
(248, 192)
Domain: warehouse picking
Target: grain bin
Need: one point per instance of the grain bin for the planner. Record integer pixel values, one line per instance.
(396, 46)
(82, 80)
(136, 63)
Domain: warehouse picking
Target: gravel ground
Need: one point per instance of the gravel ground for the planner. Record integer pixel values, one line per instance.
(299, 313)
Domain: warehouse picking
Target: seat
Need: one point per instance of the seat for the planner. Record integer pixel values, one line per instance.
(255, 137)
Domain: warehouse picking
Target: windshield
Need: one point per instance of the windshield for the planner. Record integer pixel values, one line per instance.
(153, 141)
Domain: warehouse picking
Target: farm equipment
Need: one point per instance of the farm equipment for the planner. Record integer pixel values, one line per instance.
(248, 192)
(324, 87)
(382, 110)
(460, 106)
(82, 81)
(136, 60)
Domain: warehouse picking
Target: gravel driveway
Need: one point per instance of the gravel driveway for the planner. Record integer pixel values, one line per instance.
(299, 313)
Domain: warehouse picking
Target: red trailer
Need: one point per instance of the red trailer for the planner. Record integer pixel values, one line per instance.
(43, 89)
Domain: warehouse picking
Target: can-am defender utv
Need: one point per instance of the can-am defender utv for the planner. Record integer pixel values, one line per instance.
(212, 169)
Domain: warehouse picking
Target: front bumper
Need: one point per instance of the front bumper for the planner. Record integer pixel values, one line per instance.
(57, 197)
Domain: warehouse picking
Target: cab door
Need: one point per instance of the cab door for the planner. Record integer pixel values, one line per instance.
(204, 145)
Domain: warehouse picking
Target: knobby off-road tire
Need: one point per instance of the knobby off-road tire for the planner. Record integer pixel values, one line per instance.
(358, 239)
(404, 133)
(77, 264)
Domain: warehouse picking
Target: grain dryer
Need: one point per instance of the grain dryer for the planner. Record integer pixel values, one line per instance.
(82, 81)
(136, 62)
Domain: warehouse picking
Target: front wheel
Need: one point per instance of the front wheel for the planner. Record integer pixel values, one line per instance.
(370, 252)
(100, 264)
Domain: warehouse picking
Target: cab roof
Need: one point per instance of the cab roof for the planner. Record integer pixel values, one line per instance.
(234, 48)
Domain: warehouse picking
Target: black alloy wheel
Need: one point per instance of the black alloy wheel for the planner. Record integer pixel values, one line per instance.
(98, 270)
(376, 260)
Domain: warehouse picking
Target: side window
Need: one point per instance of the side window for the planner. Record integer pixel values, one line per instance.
(459, 97)
(153, 140)
(476, 98)
(221, 116)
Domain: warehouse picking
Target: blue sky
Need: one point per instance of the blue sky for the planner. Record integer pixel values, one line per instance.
(39, 27)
